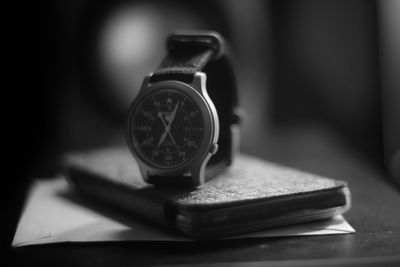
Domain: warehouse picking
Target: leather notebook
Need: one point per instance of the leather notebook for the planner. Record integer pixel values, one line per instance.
(251, 195)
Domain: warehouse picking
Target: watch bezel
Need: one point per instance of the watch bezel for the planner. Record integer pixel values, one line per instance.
(209, 133)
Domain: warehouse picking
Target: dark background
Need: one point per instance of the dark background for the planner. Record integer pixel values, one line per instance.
(301, 65)
(306, 62)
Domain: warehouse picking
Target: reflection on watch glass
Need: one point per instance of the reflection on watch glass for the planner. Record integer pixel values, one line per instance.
(167, 128)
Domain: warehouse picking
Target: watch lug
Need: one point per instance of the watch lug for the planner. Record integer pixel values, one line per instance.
(146, 82)
(145, 176)
(143, 170)
(199, 82)
(198, 174)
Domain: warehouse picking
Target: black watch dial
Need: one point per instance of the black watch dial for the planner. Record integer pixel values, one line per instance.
(167, 128)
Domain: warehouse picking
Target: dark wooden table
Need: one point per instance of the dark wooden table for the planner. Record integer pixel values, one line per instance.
(375, 215)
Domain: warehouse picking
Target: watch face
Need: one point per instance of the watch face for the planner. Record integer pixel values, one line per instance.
(167, 128)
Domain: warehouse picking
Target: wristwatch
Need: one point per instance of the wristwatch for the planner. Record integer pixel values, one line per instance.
(183, 125)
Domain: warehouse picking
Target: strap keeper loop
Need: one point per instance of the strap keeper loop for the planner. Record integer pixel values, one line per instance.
(206, 39)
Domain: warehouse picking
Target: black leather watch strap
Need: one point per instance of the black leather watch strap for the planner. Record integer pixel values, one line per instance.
(193, 52)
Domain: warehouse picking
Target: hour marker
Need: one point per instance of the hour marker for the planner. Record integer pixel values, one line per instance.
(147, 142)
(193, 113)
(169, 100)
(196, 129)
(147, 114)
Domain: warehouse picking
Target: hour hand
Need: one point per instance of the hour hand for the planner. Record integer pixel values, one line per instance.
(162, 138)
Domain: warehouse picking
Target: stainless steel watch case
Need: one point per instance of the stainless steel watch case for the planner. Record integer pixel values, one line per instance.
(195, 167)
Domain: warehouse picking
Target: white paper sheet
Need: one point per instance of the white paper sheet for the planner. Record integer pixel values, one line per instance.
(50, 216)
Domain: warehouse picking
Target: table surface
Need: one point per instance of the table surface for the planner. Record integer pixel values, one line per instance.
(375, 215)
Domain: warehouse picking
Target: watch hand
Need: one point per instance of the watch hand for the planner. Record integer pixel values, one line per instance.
(164, 135)
(162, 138)
(170, 118)
(174, 113)
(172, 138)
(167, 130)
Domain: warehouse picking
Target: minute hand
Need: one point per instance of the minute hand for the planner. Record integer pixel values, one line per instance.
(171, 117)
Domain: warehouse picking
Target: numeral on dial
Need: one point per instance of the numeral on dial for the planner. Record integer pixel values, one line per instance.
(191, 143)
(147, 142)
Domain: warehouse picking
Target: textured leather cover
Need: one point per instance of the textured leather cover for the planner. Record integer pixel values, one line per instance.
(246, 190)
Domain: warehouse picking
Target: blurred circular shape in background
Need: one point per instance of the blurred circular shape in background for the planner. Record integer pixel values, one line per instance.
(122, 42)
(131, 45)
